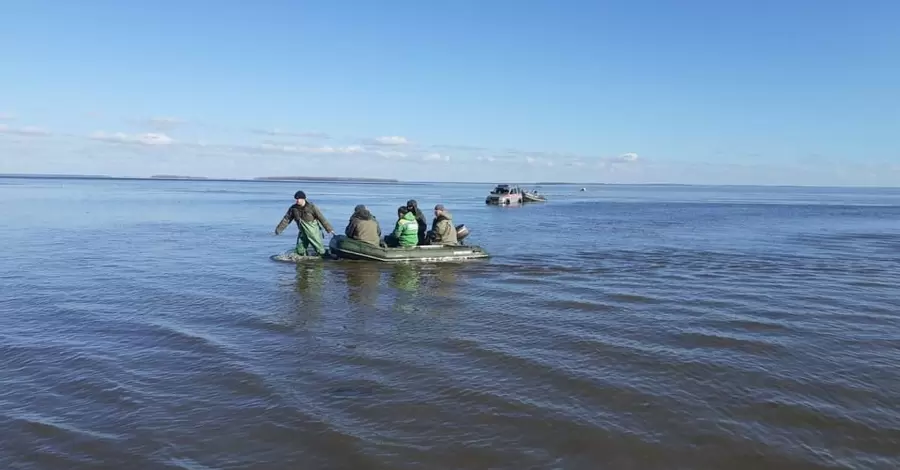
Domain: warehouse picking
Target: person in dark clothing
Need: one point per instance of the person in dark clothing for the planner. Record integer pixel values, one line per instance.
(308, 218)
(363, 226)
(413, 206)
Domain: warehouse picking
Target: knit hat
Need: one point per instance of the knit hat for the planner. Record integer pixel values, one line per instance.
(439, 207)
(299, 195)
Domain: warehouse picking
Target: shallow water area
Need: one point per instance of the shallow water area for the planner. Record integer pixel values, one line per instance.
(144, 324)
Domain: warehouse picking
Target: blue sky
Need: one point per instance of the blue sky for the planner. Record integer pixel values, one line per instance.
(738, 92)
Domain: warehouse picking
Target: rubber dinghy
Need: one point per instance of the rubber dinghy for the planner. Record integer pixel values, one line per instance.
(348, 248)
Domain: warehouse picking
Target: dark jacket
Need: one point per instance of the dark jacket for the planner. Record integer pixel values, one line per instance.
(443, 231)
(364, 227)
(423, 224)
(307, 213)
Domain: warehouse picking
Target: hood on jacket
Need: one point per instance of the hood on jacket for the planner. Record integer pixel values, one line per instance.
(409, 216)
(445, 214)
(360, 212)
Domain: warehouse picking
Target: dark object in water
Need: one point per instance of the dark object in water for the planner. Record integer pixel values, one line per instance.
(344, 247)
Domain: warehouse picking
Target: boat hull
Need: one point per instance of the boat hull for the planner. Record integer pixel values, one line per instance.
(347, 248)
(529, 197)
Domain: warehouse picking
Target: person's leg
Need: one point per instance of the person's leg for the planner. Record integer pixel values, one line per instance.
(391, 241)
(313, 236)
(302, 244)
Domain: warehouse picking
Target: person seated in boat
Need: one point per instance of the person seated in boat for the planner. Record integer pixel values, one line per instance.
(442, 230)
(413, 206)
(363, 226)
(405, 232)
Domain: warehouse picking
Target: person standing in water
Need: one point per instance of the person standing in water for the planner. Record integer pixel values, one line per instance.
(308, 218)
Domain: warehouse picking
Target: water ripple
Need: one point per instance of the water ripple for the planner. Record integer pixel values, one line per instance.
(737, 330)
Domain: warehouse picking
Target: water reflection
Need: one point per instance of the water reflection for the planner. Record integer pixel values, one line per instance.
(363, 281)
(310, 281)
(446, 276)
(406, 279)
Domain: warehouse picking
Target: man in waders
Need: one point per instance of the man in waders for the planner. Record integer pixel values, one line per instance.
(308, 218)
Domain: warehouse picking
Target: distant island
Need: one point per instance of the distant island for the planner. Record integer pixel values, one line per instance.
(260, 179)
(177, 177)
(52, 175)
(325, 178)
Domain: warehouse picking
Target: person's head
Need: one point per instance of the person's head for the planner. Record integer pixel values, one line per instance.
(412, 205)
(401, 211)
(360, 210)
(438, 210)
(300, 197)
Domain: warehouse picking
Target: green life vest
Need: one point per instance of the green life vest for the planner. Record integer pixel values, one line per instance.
(407, 230)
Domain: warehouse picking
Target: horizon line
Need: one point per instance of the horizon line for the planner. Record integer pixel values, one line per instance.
(364, 180)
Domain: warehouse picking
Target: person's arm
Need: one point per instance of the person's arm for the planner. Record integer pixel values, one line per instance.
(285, 221)
(322, 220)
(398, 229)
(443, 228)
(349, 230)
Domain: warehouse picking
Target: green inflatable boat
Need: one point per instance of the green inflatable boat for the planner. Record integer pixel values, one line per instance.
(347, 248)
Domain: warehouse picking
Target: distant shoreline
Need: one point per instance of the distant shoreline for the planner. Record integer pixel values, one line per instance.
(336, 179)
(262, 179)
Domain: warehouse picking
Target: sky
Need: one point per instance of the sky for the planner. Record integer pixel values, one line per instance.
(711, 92)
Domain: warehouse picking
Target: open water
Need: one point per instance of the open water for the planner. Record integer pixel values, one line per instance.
(143, 326)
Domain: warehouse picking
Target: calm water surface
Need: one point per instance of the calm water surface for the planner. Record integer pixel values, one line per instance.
(143, 326)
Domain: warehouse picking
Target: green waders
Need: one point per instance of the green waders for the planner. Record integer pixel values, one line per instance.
(310, 234)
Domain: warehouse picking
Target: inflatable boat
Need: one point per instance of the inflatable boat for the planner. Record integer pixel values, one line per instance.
(347, 248)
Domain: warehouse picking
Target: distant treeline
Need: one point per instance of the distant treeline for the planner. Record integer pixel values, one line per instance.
(325, 178)
(178, 177)
(50, 175)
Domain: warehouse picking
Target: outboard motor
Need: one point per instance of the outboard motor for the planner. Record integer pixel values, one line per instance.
(461, 232)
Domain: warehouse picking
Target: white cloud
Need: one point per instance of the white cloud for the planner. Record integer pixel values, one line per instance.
(488, 158)
(149, 138)
(159, 124)
(315, 150)
(391, 140)
(436, 157)
(165, 120)
(629, 157)
(27, 130)
(284, 133)
(538, 161)
(391, 154)
(7, 116)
